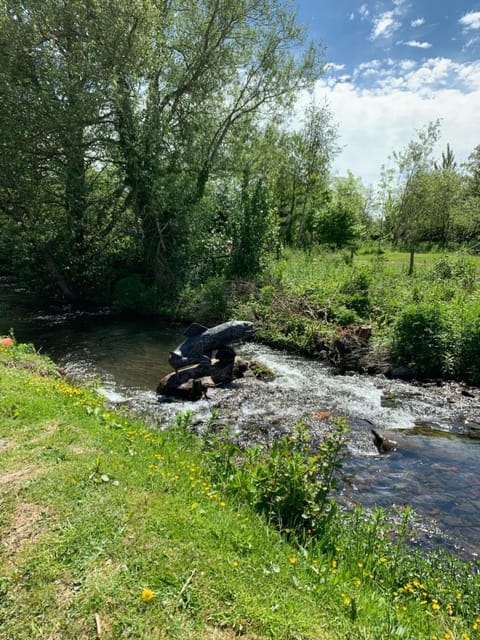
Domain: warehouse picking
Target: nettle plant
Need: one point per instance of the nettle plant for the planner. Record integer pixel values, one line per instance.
(289, 483)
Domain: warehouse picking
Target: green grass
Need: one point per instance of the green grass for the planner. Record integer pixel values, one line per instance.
(305, 297)
(100, 512)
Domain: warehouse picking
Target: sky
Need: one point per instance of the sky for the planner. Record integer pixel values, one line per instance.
(393, 66)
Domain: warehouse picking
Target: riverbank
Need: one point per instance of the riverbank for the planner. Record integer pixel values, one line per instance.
(369, 315)
(112, 529)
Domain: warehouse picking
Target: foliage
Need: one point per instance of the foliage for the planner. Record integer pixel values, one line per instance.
(409, 218)
(468, 344)
(306, 295)
(290, 483)
(251, 237)
(115, 116)
(133, 294)
(207, 302)
(340, 221)
(420, 338)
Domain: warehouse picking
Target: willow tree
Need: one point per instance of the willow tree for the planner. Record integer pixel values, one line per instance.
(114, 114)
(215, 68)
(59, 191)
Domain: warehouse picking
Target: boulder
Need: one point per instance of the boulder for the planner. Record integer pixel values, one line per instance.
(193, 382)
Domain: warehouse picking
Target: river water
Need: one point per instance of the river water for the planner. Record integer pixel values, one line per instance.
(435, 468)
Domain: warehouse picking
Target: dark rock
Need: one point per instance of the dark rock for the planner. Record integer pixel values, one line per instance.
(383, 444)
(193, 382)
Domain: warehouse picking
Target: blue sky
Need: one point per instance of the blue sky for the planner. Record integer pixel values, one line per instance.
(394, 66)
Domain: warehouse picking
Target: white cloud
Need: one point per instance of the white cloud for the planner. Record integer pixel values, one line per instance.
(364, 12)
(471, 43)
(332, 66)
(384, 25)
(417, 23)
(471, 20)
(406, 65)
(415, 43)
(375, 121)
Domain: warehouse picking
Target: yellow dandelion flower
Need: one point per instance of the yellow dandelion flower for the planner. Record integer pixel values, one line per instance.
(234, 563)
(459, 596)
(292, 560)
(222, 503)
(435, 606)
(334, 564)
(147, 594)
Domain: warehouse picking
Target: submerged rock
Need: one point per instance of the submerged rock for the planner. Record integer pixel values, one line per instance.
(383, 444)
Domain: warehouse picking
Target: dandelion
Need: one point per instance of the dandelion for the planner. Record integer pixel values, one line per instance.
(292, 560)
(383, 559)
(222, 503)
(459, 596)
(234, 564)
(435, 605)
(147, 594)
(334, 564)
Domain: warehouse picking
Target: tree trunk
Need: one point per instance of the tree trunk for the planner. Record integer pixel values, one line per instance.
(412, 260)
(60, 281)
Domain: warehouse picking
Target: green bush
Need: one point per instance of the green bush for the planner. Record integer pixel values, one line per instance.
(133, 294)
(207, 303)
(420, 339)
(468, 345)
(289, 483)
(344, 316)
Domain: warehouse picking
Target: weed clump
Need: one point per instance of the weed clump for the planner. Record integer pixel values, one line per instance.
(290, 483)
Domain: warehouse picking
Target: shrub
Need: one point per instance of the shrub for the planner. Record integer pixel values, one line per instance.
(133, 294)
(420, 339)
(468, 346)
(207, 303)
(289, 483)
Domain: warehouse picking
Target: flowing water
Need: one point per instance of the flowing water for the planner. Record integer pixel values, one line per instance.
(434, 469)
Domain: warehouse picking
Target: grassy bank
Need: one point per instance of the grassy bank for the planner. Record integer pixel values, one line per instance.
(111, 529)
(427, 323)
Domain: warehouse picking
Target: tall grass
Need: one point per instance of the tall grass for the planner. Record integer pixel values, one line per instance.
(306, 296)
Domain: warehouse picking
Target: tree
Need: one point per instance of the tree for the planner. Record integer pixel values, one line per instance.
(220, 65)
(473, 172)
(302, 175)
(58, 187)
(341, 222)
(445, 193)
(116, 114)
(414, 164)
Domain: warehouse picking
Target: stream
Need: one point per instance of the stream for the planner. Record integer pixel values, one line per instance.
(435, 468)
